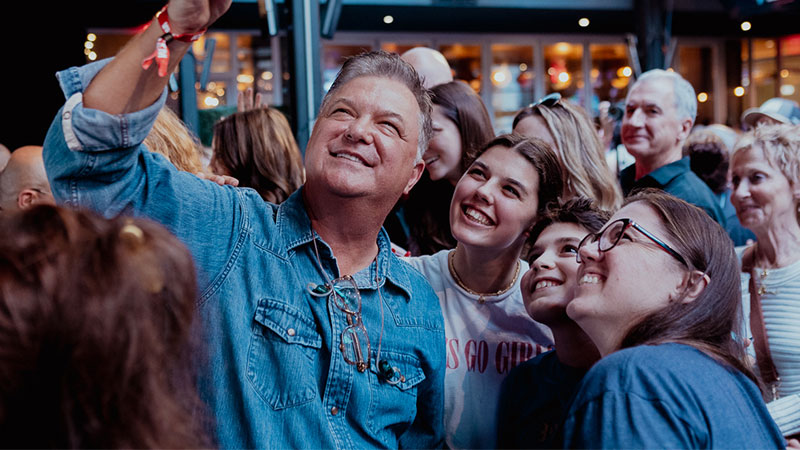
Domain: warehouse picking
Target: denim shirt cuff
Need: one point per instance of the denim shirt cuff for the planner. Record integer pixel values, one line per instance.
(87, 129)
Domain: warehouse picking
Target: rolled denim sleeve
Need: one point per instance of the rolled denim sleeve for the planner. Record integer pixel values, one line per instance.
(96, 160)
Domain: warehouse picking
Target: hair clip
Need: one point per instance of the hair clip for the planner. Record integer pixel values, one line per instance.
(131, 233)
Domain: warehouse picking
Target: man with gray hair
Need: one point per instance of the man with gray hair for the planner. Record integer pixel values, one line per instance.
(659, 114)
(317, 336)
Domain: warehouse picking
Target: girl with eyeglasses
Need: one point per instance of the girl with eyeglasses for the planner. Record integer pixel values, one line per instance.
(494, 206)
(571, 133)
(658, 293)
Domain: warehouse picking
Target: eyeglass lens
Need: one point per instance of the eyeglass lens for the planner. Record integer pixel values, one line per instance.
(346, 295)
(351, 345)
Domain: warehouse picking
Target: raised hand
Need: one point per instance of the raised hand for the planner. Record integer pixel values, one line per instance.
(189, 16)
(247, 101)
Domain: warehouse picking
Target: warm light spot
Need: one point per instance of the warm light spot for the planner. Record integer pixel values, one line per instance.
(787, 90)
(523, 67)
(388, 19)
(563, 77)
(702, 97)
(746, 26)
(211, 101)
(594, 73)
(220, 92)
(86, 51)
(551, 71)
(88, 44)
(211, 86)
(244, 78)
(91, 37)
(266, 75)
(562, 48)
(475, 84)
(785, 73)
(92, 56)
(738, 91)
(583, 22)
(624, 71)
(670, 69)
(769, 44)
(501, 77)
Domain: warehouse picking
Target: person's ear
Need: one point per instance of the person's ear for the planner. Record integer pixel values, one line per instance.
(692, 285)
(685, 128)
(416, 174)
(27, 198)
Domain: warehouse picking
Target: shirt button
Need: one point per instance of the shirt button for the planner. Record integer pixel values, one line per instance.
(290, 332)
(67, 115)
(334, 411)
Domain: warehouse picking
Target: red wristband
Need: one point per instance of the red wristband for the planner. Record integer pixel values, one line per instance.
(161, 54)
(163, 22)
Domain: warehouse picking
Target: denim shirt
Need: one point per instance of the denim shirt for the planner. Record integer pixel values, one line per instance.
(274, 375)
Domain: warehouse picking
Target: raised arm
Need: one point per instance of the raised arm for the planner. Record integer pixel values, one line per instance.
(123, 86)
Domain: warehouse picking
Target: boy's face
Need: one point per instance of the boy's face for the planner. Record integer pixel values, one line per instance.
(549, 285)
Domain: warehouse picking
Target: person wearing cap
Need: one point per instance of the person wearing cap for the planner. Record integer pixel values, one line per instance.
(659, 114)
(773, 111)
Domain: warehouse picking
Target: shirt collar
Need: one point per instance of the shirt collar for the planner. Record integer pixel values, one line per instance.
(665, 174)
(294, 226)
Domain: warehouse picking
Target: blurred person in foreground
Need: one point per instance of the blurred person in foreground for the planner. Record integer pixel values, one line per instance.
(659, 114)
(658, 294)
(318, 335)
(536, 395)
(709, 158)
(766, 193)
(23, 183)
(96, 326)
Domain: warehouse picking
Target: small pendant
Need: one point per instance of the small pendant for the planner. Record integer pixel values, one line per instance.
(764, 274)
(481, 300)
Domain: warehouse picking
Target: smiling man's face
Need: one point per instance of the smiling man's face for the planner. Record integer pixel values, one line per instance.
(365, 140)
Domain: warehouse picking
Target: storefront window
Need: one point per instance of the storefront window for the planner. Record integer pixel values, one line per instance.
(695, 64)
(563, 70)
(512, 82)
(611, 74)
(465, 60)
(790, 68)
(763, 61)
(333, 57)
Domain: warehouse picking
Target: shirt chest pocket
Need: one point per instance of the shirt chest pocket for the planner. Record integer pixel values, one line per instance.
(280, 361)
(393, 399)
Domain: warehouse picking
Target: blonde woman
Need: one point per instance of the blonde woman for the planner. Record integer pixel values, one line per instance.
(571, 133)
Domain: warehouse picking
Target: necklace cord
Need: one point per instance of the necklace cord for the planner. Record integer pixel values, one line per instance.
(481, 295)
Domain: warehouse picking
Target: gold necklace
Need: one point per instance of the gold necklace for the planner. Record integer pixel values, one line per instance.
(481, 296)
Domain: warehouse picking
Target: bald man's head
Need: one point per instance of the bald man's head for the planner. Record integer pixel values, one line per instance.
(430, 64)
(23, 183)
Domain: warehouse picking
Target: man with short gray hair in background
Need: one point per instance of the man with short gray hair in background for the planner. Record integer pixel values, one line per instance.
(659, 114)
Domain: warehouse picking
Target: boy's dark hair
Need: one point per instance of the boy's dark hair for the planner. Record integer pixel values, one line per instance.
(579, 210)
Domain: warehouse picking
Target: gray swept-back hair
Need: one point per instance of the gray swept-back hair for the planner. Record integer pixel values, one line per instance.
(685, 99)
(388, 65)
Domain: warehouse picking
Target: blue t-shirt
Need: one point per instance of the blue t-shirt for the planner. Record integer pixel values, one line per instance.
(668, 396)
(534, 399)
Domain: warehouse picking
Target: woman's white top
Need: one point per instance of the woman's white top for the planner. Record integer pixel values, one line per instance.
(781, 309)
(484, 342)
